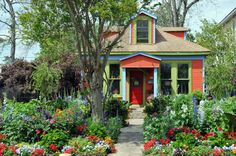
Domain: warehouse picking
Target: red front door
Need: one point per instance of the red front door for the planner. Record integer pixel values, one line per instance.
(136, 87)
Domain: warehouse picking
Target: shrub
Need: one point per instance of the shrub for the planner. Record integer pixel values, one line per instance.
(15, 81)
(54, 140)
(157, 105)
(117, 108)
(46, 79)
(113, 128)
(21, 120)
(97, 129)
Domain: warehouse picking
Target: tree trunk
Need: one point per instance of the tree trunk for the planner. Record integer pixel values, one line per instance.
(12, 30)
(174, 13)
(96, 95)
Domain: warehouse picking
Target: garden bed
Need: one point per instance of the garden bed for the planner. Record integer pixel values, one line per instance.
(55, 127)
(181, 126)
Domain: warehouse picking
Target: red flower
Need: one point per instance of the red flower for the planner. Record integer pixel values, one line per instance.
(69, 151)
(170, 132)
(217, 152)
(149, 144)
(38, 152)
(38, 131)
(81, 128)
(164, 141)
(12, 149)
(2, 148)
(44, 132)
(92, 138)
(219, 129)
(53, 147)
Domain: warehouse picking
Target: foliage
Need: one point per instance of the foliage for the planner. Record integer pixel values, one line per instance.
(185, 141)
(46, 79)
(219, 64)
(55, 137)
(156, 127)
(117, 108)
(97, 129)
(213, 117)
(15, 79)
(113, 128)
(157, 105)
(21, 120)
(198, 95)
(199, 150)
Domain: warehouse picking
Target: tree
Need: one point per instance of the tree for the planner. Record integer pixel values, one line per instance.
(221, 61)
(7, 6)
(174, 12)
(84, 23)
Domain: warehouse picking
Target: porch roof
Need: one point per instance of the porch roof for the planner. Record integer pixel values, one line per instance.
(140, 60)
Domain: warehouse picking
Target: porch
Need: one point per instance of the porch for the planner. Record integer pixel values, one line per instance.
(139, 77)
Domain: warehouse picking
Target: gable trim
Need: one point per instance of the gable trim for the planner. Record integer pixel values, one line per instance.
(140, 53)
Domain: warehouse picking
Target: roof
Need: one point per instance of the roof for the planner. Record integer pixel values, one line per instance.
(145, 12)
(165, 42)
(229, 16)
(140, 53)
(167, 29)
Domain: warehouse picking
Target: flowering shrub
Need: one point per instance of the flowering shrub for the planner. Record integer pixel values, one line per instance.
(21, 120)
(54, 140)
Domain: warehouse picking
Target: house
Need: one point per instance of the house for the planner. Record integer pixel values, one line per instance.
(150, 61)
(230, 20)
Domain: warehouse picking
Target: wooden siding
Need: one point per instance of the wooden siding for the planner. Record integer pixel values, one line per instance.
(197, 75)
(179, 34)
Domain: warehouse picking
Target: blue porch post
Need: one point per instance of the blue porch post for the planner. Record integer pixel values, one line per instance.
(155, 83)
(124, 84)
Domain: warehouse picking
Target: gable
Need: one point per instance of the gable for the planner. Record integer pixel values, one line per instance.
(140, 61)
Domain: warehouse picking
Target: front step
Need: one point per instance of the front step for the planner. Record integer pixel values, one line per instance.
(136, 112)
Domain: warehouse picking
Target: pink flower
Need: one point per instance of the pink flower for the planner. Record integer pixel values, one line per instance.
(38, 131)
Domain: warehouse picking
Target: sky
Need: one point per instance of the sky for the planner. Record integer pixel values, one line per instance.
(212, 10)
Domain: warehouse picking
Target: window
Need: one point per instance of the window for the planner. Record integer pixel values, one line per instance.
(114, 78)
(142, 31)
(114, 70)
(166, 79)
(183, 79)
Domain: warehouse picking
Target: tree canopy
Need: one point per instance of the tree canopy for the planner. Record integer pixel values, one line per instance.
(221, 61)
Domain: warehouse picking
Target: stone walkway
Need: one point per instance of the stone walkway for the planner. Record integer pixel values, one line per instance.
(130, 142)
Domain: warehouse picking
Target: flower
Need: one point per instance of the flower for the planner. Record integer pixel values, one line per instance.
(81, 128)
(149, 144)
(2, 148)
(38, 131)
(12, 148)
(164, 141)
(92, 138)
(217, 151)
(219, 129)
(38, 152)
(53, 147)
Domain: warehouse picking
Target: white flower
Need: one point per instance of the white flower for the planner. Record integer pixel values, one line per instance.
(184, 108)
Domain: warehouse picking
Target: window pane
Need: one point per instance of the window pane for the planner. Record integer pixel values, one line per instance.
(166, 87)
(114, 70)
(142, 31)
(115, 86)
(182, 86)
(182, 70)
(166, 71)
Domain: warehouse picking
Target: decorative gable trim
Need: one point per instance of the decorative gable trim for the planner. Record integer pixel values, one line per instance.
(148, 13)
(140, 53)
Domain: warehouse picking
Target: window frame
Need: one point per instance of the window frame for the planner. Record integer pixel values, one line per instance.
(188, 79)
(143, 31)
(110, 78)
(166, 79)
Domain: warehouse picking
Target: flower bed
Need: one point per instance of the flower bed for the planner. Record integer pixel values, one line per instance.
(55, 127)
(179, 126)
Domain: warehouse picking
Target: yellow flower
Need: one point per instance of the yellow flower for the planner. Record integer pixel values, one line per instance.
(234, 151)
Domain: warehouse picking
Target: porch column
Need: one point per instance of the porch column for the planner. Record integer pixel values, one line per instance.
(155, 83)
(124, 84)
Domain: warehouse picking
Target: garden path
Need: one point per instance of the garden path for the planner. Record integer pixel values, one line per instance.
(130, 142)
